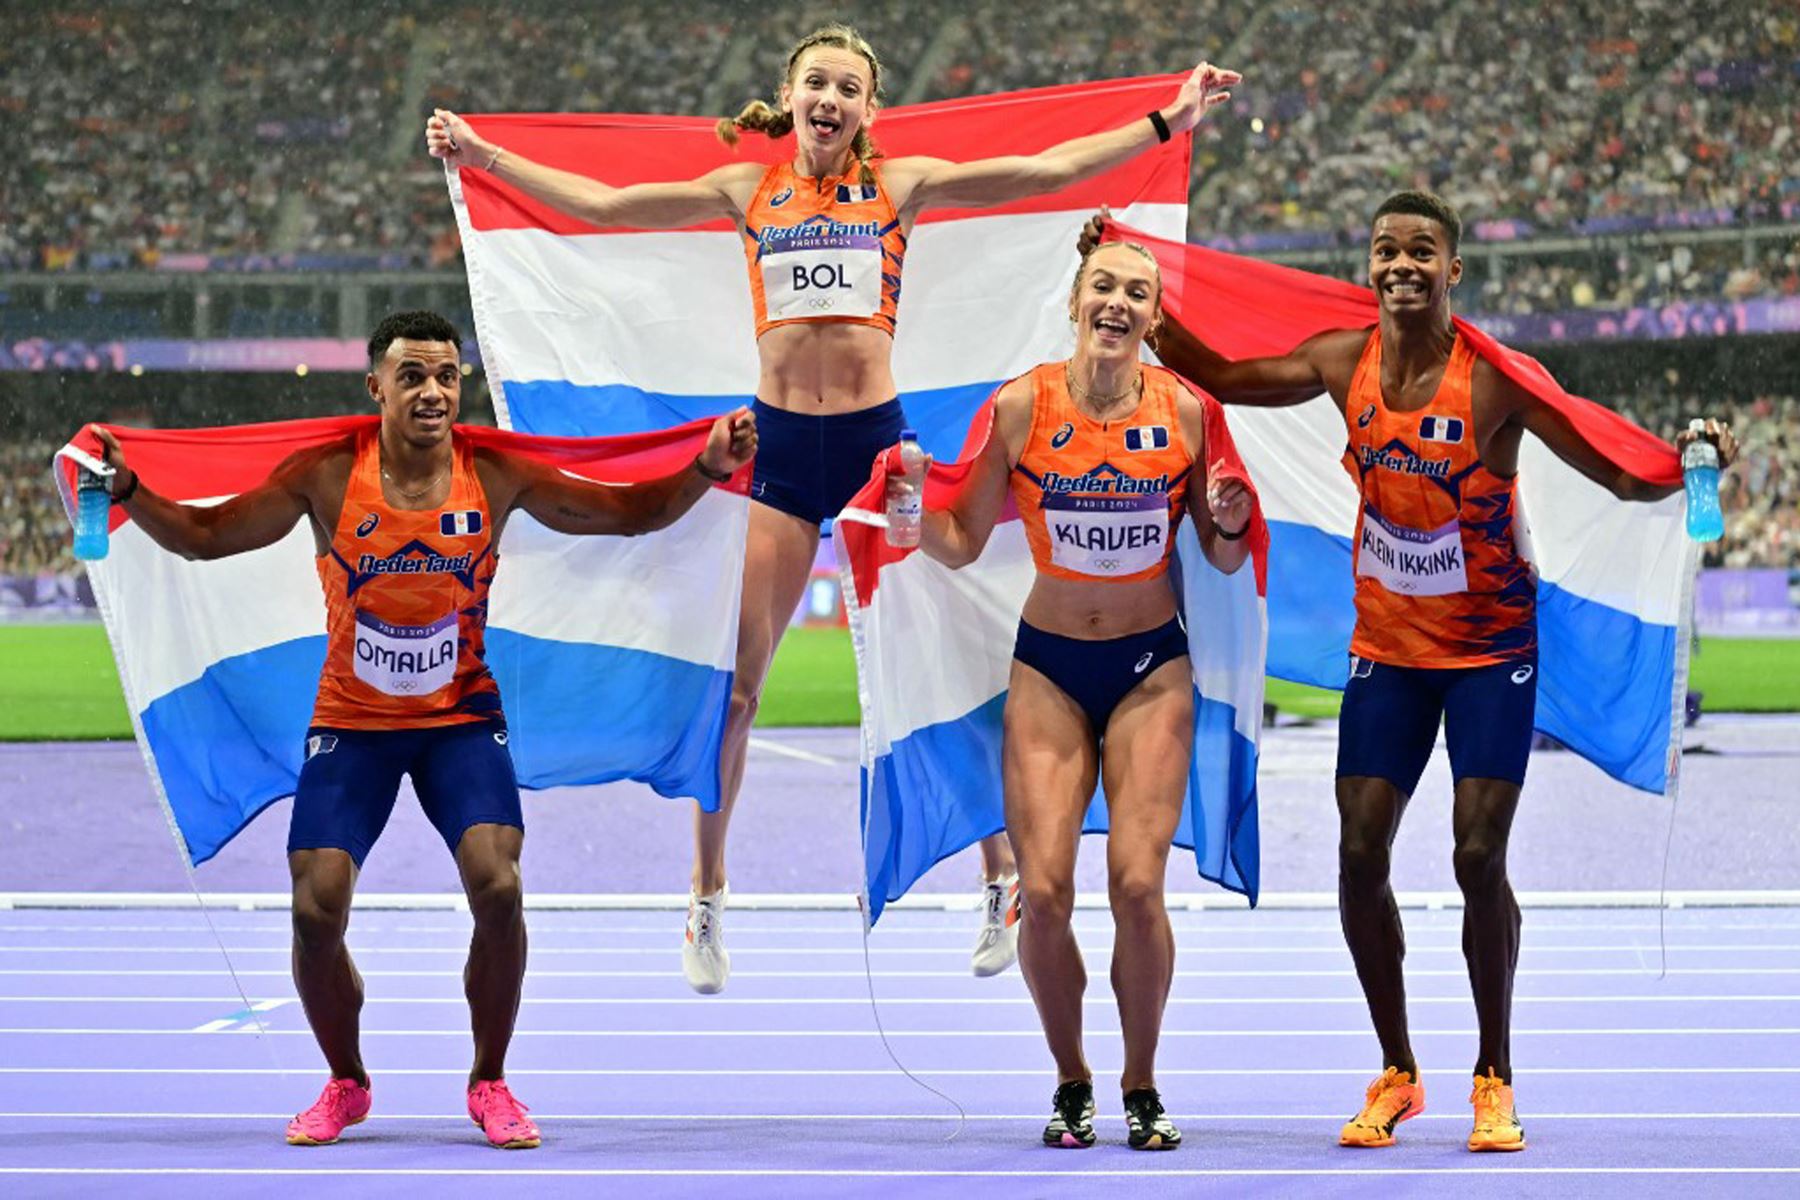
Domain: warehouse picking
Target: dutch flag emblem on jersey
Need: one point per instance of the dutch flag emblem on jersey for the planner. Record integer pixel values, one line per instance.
(1147, 437)
(460, 524)
(1440, 429)
(855, 193)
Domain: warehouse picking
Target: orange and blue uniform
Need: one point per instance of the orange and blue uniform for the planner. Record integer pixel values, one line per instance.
(1100, 501)
(405, 688)
(825, 250)
(1446, 600)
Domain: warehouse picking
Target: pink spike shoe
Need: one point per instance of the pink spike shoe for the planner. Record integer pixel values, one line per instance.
(500, 1115)
(343, 1103)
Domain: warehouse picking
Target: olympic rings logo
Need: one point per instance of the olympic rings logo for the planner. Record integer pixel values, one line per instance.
(820, 303)
(1107, 564)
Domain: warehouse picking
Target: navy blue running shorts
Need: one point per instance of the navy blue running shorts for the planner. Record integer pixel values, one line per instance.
(810, 466)
(1098, 675)
(1389, 721)
(462, 773)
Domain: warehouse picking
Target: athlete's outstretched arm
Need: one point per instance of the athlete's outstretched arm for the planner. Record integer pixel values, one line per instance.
(1557, 433)
(956, 536)
(570, 505)
(720, 194)
(251, 520)
(921, 183)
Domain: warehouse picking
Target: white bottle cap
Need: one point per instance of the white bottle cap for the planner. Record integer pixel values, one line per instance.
(1697, 425)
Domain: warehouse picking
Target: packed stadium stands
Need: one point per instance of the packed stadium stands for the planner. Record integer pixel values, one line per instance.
(1606, 154)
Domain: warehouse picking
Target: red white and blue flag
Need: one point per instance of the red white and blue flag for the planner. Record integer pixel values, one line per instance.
(1615, 579)
(220, 660)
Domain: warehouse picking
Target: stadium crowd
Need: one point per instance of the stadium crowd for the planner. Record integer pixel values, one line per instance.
(138, 130)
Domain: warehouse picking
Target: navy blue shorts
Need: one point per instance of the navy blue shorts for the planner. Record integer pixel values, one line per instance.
(1098, 675)
(1390, 717)
(462, 773)
(810, 466)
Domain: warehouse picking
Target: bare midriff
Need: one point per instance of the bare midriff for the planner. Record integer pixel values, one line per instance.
(823, 368)
(1099, 609)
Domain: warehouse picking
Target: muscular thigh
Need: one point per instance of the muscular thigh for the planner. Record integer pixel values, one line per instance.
(1148, 749)
(1051, 764)
(778, 558)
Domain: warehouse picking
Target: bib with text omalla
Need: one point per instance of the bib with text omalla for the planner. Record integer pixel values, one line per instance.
(405, 660)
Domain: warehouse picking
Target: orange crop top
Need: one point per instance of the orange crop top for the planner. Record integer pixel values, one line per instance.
(406, 604)
(823, 250)
(1102, 499)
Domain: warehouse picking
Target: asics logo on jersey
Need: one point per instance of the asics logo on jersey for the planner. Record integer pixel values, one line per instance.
(782, 197)
(368, 525)
(1061, 437)
(1363, 418)
(1404, 460)
(1522, 675)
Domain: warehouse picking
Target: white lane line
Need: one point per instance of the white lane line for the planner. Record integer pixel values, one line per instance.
(1107, 1002)
(1214, 925)
(1640, 972)
(376, 1118)
(794, 752)
(236, 1025)
(869, 1072)
(856, 951)
(238, 1019)
(692, 1172)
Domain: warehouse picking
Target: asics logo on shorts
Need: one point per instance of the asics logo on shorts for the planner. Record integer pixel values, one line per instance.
(500, 736)
(1522, 675)
(1143, 662)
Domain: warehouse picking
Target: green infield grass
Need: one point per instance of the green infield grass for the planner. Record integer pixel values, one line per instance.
(58, 682)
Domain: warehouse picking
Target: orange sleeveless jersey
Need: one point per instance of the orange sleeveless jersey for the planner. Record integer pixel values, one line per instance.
(406, 604)
(1101, 499)
(1440, 578)
(823, 250)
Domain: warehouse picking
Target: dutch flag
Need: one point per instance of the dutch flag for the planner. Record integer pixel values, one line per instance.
(1441, 429)
(460, 524)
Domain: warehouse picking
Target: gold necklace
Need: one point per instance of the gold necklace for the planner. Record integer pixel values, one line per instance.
(1095, 398)
(423, 491)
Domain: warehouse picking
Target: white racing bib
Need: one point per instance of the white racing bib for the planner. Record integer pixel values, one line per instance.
(404, 660)
(827, 269)
(1412, 562)
(1108, 535)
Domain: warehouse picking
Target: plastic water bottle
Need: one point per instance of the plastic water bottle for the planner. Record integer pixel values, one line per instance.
(93, 514)
(906, 493)
(1700, 475)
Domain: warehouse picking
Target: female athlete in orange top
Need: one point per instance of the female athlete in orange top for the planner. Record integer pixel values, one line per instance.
(1103, 457)
(1445, 621)
(404, 521)
(826, 395)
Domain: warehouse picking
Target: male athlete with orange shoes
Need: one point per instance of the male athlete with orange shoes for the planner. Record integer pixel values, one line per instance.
(1446, 621)
(406, 519)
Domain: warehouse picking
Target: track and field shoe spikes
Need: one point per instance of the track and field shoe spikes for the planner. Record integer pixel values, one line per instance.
(1496, 1120)
(1391, 1099)
(500, 1115)
(343, 1103)
(1147, 1126)
(1072, 1120)
(998, 946)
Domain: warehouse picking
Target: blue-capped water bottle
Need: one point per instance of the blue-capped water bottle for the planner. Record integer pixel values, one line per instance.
(906, 494)
(93, 513)
(1700, 475)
